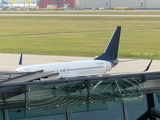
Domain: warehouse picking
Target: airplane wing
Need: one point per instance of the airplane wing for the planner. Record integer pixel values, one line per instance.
(134, 72)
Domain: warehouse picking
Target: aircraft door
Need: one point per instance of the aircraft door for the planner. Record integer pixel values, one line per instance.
(27, 70)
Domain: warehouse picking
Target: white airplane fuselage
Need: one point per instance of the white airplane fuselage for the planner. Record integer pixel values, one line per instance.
(14, 5)
(71, 69)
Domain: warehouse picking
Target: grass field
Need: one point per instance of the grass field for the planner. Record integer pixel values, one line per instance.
(80, 36)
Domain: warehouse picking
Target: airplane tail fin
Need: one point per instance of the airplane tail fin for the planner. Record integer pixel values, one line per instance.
(111, 52)
(4, 2)
(28, 2)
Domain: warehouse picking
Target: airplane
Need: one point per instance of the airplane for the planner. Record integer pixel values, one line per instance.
(30, 4)
(5, 3)
(14, 4)
(97, 66)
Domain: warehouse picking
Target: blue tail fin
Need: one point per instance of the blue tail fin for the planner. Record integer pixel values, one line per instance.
(4, 2)
(111, 51)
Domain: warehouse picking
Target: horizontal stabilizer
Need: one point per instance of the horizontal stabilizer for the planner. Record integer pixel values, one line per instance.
(128, 60)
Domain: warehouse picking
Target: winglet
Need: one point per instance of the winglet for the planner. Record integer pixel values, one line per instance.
(111, 51)
(20, 60)
(147, 68)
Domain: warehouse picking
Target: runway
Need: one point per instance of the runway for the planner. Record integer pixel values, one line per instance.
(80, 15)
(9, 62)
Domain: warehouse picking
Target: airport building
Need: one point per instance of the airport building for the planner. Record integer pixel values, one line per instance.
(105, 4)
(89, 4)
(111, 4)
(56, 3)
(25, 96)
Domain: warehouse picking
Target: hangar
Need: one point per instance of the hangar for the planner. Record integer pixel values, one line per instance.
(111, 4)
(99, 4)
(90, 4)
(25, 96)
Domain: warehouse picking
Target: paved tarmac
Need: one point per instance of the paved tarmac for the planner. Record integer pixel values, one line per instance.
(9, 62)
(79, 15)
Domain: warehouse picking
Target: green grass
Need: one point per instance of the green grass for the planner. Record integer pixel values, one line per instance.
(80, 36)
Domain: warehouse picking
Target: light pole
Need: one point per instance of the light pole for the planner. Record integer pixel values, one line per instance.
(24, 3)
